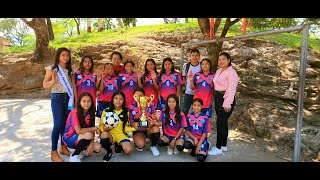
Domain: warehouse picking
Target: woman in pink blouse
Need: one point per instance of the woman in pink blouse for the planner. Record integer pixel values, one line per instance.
(225, 85)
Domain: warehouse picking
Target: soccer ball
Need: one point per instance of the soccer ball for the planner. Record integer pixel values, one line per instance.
(111, 119)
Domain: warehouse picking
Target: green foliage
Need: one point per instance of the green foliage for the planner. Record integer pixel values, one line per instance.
(14, 30)
(272, 23)
(129, 21)
(106, 24)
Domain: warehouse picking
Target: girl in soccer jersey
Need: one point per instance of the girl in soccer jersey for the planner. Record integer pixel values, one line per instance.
(170, 81)
(80, 129)
(149, 80)
(128, 82)
(116, 134)
(108, 86)
(197, 130)
(202, 82)
(59, 99)
(139, 136)
(85, 79)
(173, 122)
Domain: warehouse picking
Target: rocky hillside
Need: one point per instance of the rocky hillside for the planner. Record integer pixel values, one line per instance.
(266, 70)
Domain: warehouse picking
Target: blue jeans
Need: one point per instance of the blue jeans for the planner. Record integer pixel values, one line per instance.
(60, 112)
(187, 101)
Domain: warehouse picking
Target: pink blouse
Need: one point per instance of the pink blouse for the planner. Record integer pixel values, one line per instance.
(226, 81)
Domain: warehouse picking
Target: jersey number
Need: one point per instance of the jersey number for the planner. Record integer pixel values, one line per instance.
(88, 82)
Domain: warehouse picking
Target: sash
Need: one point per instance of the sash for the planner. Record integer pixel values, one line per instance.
(64, 81)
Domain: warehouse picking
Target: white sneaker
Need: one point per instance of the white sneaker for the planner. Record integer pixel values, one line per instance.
(215, 151)
(138, 149)
(155, 150)
(169, 151)
(74, 158)
(176, 151)
(224, 148)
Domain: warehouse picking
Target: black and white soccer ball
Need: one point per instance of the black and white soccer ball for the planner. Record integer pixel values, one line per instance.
(111, 119)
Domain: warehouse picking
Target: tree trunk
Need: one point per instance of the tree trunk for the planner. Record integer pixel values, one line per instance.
(166, 21)
(50, 31)
(77, 20)
(88, 25)
(120, 24)
(100, 25)
(214, 49)
(186, 20)
(40, 29)
(174, 20)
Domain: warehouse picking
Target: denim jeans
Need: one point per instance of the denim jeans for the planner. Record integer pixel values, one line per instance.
(187, 101)
(60, 112)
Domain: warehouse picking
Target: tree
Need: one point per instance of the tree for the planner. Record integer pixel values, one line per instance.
(40, 29)
(214, 49)
(100, 25)
(14, 30)
(77, 20)
(120, 24)
(50, 30)
(88, 25)
(128, 21)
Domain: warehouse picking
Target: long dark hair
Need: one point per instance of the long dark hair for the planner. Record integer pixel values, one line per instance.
(162, 68)
(146, 72)
(80, 111)
(57, 57)
(81, 68)
(124, 108)
(176, 110)
(208, 60)
(227, 55)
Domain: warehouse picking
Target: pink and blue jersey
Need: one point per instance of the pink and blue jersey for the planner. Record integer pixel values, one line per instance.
(69, 131)
(149, 87)
(168, 85)
(204, 87)
(127, 83)
(198, 124)
(86, 83)
(171, 127)
(110, 86)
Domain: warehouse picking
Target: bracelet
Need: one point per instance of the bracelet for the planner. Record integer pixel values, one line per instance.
(175, 138)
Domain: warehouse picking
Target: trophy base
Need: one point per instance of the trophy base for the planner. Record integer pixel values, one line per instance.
(143, 124)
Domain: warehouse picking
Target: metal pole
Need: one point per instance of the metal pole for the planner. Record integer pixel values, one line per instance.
(181, 65)
(302, 77)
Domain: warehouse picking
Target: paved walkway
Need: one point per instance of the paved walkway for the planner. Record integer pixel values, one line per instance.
(25, 133)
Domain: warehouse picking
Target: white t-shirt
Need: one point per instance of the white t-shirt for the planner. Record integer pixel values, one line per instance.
(194, 70)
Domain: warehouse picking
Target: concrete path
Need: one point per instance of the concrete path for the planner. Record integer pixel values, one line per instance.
(25, 133)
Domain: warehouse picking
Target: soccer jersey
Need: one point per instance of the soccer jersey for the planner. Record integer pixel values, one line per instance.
(86, 82)
(149, 87)
(171, 127)
(127, 83)
(73, 121)
(197, 124)
(169, 83)
(204, 87)
(118, 69)
(110, 86)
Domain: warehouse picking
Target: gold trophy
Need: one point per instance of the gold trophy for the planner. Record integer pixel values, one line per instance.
(143, 103)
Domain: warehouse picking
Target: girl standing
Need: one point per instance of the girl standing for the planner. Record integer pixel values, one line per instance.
(58, 78)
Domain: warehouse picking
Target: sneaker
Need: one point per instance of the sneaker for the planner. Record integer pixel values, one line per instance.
(169, 151)
(155, 150)
(74, 158)
(107, 157)
(224, 148)
(138, 149)
(176, 151)
(215, 151)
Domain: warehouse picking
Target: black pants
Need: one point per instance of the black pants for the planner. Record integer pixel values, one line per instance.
(222, 119)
